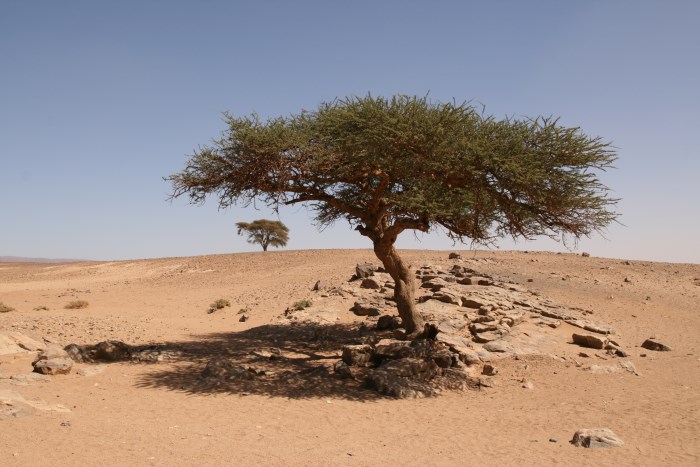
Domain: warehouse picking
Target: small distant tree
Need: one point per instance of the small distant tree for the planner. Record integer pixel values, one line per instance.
(265, 233)
(387, 165)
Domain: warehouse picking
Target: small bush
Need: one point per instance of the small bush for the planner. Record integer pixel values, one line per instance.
(41, 308)
(5, 308)
(77, 304)
(219, 304)
(301, 304)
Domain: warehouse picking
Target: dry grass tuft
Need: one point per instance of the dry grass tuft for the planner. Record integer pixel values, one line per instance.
(77, 304)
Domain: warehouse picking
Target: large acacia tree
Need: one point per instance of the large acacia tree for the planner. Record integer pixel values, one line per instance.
(387, 165)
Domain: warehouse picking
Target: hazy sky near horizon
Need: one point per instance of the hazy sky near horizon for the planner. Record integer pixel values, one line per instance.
(100, 100)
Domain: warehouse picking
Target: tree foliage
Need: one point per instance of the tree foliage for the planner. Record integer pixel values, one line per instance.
(265, 233)
(390, 164)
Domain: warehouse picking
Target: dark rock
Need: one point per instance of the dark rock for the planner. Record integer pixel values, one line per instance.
(443, 358)
(365, 309)
(393, 349)
(112, 351)
(586, 340)
(220, 370)
(370, 283)
(596, 438)
(489, 370)
(388, 322)
(342, 369)
(357, 355)
(474, 302)
(653, 344)
(477, 328)
(365, 270)
(434, 284)
(404, 378)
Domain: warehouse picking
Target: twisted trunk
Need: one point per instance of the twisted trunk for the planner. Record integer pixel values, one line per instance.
(404, 286)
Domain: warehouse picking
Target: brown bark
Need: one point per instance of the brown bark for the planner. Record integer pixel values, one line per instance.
(404, 286)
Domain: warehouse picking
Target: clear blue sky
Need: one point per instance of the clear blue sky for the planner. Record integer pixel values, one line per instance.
(100, 100)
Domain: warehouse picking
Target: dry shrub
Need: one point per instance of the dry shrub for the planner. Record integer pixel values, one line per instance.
(77, 304)
(5, 308)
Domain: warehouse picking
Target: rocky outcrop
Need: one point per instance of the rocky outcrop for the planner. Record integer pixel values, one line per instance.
(655, 345)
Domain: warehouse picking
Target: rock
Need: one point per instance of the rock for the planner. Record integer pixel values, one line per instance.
(454, 255)
(54, 366)
(653, 344)
(490, 336)
(243, 318)
(434, 284)
(12, 342)
(370, 283)
(320, 285)
(596, 438)
(404, 378)
(357, 355)
(112, 351)
(26, 379)
(388, 322)
(477, 328)
(393, 349)
(497, 347)
(586, 340)
(446, 296)
(52, 352)
(365, 270)
(220, 370)
(342, 369)
(474, 302)
(528, 385)
(623, 365)
(365, 309)
(489, 370)
(443, 358)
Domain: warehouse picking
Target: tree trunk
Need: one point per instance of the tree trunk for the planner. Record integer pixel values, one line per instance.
(404, 286)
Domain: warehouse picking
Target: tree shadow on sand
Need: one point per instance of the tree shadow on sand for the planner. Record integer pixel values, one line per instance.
(277, 360)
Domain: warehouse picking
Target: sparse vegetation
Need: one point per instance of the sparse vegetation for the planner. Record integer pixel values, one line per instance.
(5, 308)
(301, 304)
(218, 305)
(41, 308)
(76, 305)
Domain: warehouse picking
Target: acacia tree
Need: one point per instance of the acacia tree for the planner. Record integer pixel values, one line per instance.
(264, 232)
(387, 165)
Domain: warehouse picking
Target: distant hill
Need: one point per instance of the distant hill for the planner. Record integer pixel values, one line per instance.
(21, 259)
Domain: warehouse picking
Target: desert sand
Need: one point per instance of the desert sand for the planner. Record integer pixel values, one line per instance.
(157, 413)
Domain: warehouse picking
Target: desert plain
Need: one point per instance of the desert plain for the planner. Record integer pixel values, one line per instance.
(299, 410)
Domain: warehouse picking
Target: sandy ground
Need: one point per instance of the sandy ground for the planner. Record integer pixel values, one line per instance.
(151, 414)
